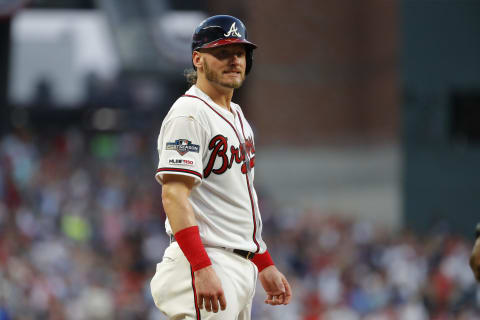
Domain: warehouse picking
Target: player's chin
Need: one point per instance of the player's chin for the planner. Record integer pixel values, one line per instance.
(233, 83)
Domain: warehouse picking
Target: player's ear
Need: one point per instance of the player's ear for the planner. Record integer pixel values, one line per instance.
(196, 59)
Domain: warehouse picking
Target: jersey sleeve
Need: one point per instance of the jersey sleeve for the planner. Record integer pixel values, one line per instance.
(180, 148)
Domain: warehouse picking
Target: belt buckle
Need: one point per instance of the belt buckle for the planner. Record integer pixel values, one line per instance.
(249, 255)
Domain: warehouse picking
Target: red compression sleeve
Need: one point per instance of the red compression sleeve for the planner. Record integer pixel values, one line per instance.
(189, 241)
(263, 260)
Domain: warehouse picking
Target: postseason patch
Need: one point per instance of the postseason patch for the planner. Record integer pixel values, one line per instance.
(183, 146)
(181, 161)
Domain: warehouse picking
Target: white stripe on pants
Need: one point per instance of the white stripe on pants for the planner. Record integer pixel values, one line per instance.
(172, 289)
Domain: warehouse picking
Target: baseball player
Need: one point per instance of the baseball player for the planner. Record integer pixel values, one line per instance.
(206, 166)
(475, 257)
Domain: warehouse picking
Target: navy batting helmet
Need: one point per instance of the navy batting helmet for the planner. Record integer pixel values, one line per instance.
(223, 30)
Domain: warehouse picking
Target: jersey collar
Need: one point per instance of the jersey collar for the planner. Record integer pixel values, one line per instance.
(194, 90)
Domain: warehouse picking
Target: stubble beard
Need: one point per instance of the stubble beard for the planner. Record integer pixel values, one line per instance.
(214, 77)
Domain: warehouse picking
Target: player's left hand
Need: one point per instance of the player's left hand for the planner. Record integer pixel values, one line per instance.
(276, 286)
(475, 260)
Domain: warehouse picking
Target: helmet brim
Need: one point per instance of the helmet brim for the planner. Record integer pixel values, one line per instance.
(227, 41)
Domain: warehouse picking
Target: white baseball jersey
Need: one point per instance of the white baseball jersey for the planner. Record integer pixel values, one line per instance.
(200, 139)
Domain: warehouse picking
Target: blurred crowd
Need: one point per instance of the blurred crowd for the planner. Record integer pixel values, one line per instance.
(82, 228)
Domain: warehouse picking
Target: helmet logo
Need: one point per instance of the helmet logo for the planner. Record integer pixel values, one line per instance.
(233, 31)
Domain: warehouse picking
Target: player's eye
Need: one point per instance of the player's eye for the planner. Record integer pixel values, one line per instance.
(224, 54)
(240, 53)
(220, 54)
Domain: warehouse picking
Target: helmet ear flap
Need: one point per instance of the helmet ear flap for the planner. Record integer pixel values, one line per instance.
(249, 59)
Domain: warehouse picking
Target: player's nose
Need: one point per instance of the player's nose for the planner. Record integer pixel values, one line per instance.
(235, 60)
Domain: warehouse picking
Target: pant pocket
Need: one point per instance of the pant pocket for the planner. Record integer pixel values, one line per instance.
(171, 286)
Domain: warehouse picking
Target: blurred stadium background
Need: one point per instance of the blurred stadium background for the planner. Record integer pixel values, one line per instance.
(367, 121)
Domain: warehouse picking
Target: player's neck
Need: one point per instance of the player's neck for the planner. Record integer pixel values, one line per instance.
(220, 95)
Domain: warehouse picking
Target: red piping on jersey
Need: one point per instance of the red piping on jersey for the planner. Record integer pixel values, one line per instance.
(195, 302)
(246, 175)
(180, 170)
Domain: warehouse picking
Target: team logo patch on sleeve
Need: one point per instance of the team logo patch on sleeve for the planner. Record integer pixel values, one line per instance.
(183, 146)
(181, 161)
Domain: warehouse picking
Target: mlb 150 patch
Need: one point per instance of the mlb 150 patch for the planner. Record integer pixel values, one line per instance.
(183, 146)
(181, 161)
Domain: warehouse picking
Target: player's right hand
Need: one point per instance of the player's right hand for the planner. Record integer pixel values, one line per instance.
(209, 290)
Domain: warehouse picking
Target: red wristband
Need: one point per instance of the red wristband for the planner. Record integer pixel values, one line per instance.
(263, 260)
(189, 241)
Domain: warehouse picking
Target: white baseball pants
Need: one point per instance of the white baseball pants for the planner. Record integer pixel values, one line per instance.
(173, 289)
